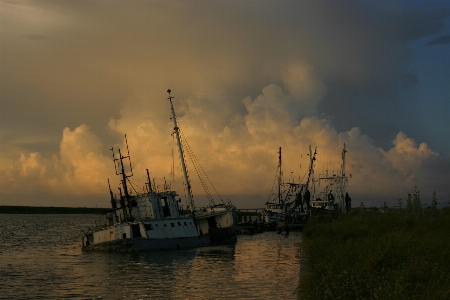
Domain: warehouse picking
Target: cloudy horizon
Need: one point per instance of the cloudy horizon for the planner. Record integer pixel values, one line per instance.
(247, 77)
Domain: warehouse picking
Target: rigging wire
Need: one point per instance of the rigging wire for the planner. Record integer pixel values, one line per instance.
(197, 167)
(273, 185)
(133, 185)
(173, 161)
(200, 172)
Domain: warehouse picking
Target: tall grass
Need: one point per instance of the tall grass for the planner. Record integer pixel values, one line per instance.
(368, 254)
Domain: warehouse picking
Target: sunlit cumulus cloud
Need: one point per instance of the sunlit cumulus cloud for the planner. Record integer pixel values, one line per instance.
(240, 157)
(78, 169)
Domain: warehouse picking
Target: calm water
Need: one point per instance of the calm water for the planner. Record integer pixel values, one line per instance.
(40, 258)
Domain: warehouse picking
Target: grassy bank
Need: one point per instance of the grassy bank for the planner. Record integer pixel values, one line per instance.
(6, 209)
(378, 255)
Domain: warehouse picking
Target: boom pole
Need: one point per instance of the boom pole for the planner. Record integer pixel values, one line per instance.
(180, 150)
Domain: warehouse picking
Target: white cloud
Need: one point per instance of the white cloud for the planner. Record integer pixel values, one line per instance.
(238, 153)
(79, 169)
(406, 157)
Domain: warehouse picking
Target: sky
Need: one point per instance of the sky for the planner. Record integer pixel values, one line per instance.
(248, 77)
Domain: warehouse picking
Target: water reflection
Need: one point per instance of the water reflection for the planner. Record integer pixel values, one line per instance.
(49, 264)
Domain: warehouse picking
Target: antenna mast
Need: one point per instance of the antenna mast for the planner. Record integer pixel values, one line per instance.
(113, 201)
(120, 170)
(149, 183)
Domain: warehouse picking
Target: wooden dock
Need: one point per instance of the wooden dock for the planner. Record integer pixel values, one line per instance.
(250, 221)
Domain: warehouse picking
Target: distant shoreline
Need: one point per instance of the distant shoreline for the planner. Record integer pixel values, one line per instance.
(8, 209)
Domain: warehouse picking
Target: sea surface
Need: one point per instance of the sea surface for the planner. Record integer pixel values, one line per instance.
(41, 258)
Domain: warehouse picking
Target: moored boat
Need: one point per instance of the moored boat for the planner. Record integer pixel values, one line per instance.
(331, 192)
(290, 203)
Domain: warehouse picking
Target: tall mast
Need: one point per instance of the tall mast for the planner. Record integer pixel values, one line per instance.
(343, 172)
(312, 158)
(343, 160)
(279, 176)
(180, 150)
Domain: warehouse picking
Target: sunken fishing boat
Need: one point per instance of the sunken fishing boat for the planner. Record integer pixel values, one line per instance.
(154, 220)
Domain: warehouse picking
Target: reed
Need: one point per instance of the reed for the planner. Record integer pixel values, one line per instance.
(373, 254)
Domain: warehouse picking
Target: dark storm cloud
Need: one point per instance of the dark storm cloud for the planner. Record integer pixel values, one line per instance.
(244, 74)
(374, 47)
(442, 40)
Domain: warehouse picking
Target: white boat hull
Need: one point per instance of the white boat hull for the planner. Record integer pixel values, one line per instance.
(144, 244)
(217, 227)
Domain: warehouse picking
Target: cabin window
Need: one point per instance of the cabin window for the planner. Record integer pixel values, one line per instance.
(172, 224)
(148, 226)
(185, 224)
(90, 239)
(136, 230)
(124, 235)
(179, 224)
(165, 207)
(212, 222)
